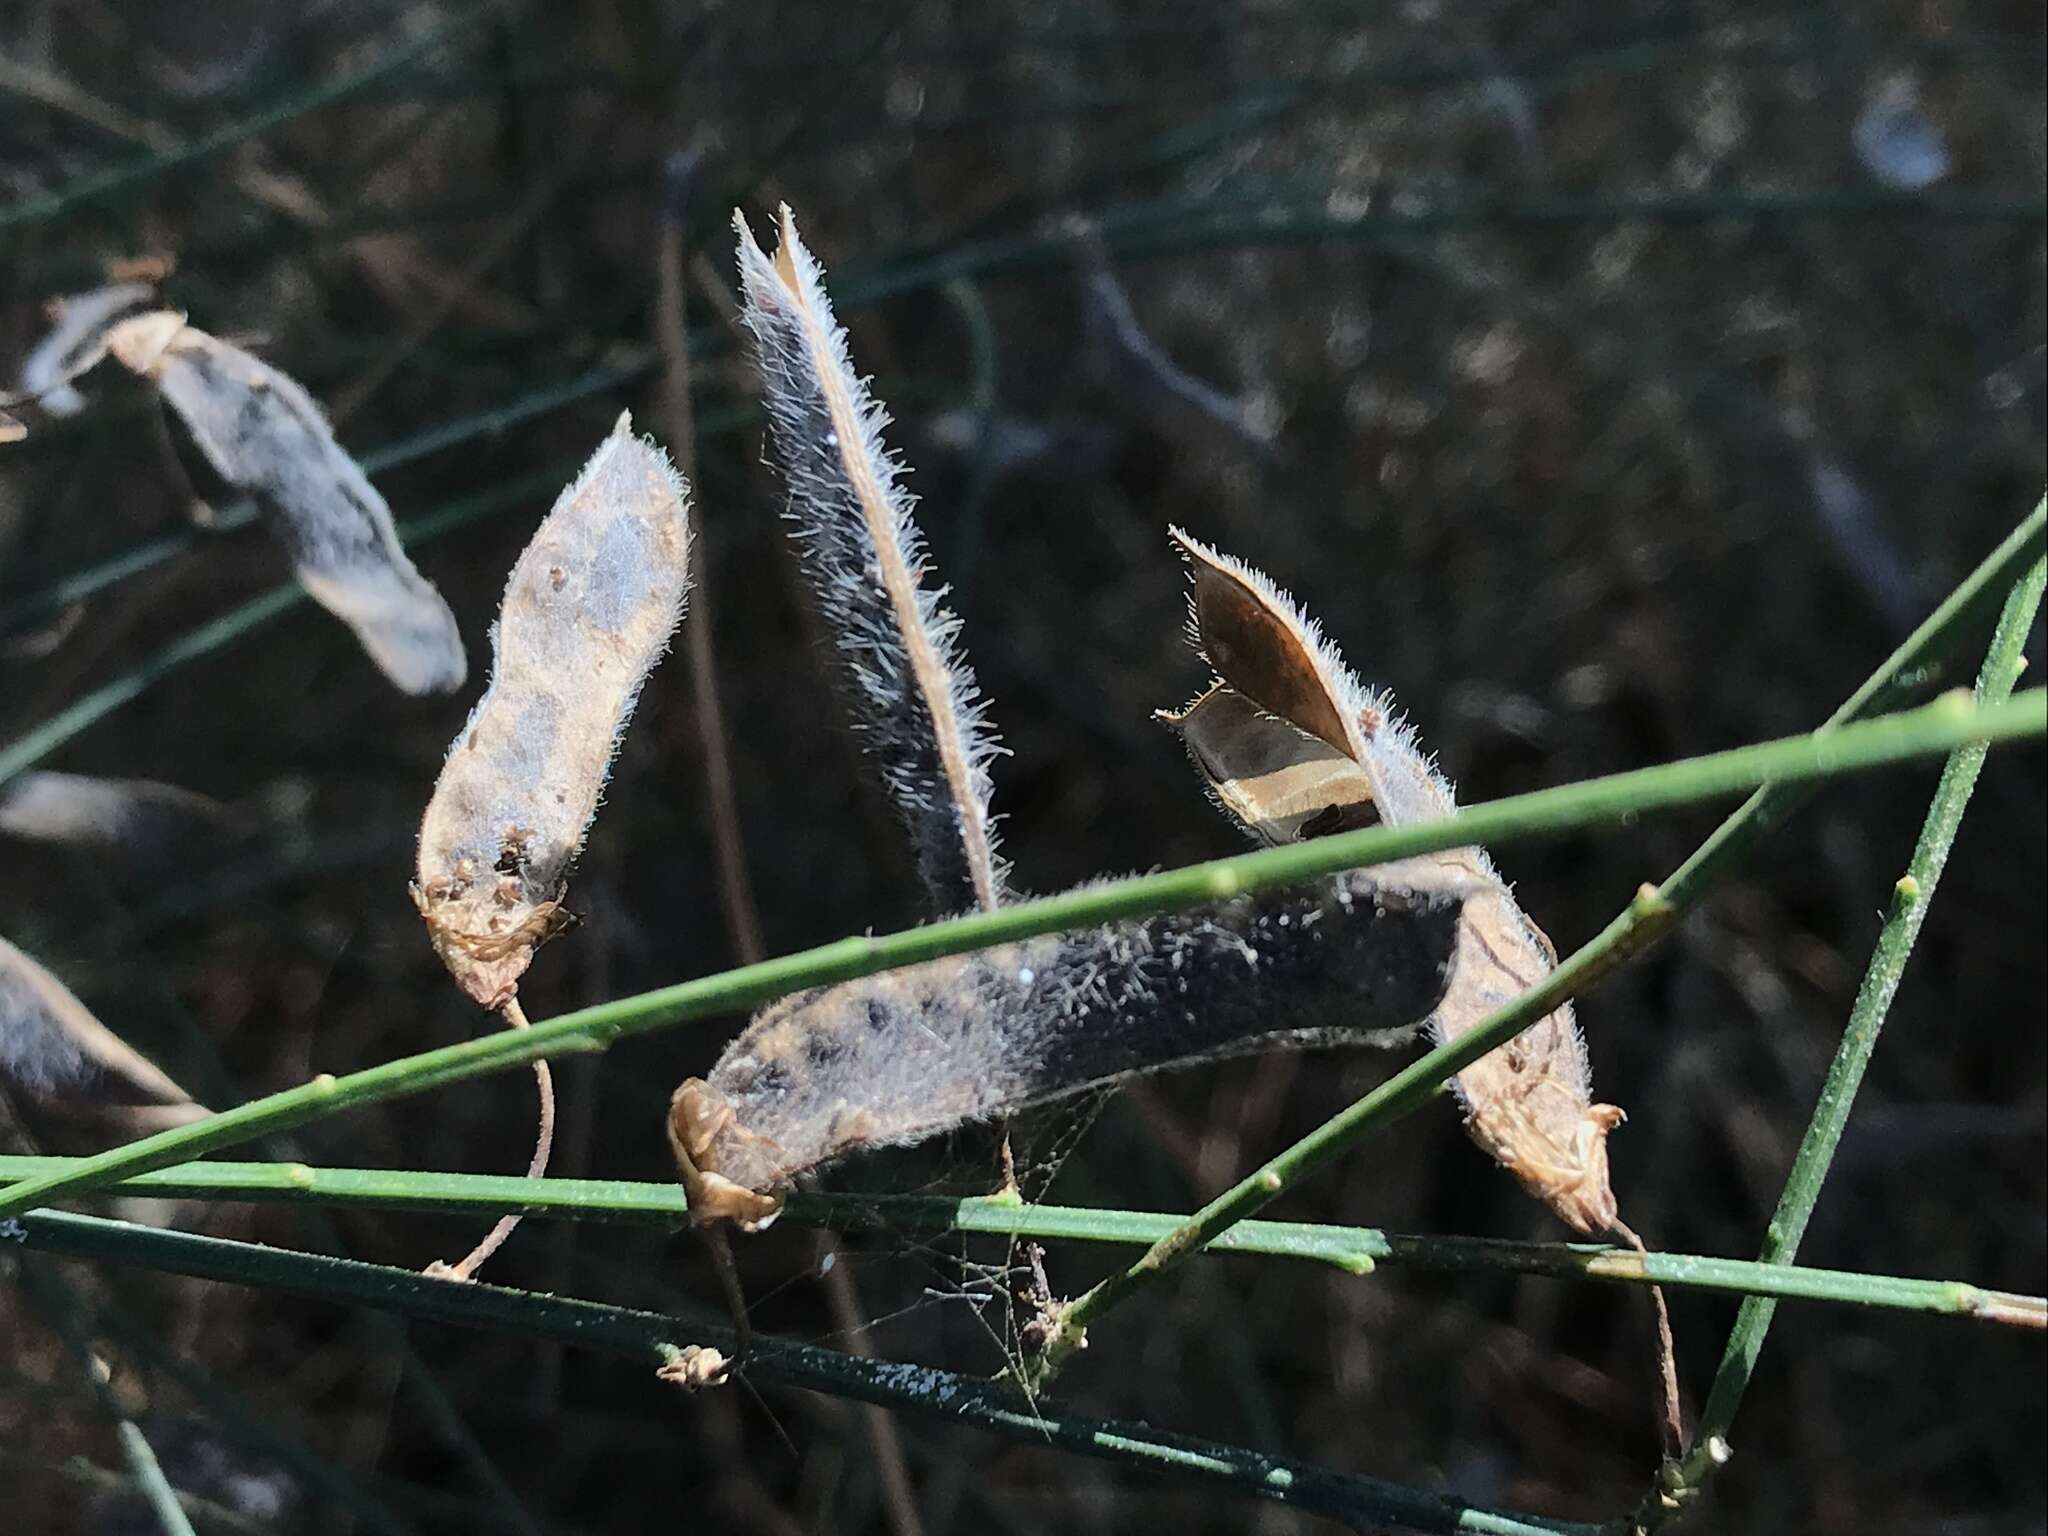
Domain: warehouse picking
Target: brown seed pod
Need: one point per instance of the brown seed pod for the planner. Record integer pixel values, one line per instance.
(588, 610)
(1529, 1105)
(897, 1058)
(1280, 784)
(53, 1051)
(263, 435)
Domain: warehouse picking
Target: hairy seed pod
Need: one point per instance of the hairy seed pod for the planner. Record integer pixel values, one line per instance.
(588, 610)
(896, 1058)
(1286, 698)
(264, 435)
(54, 1051)
(909, 689)
(75, 342)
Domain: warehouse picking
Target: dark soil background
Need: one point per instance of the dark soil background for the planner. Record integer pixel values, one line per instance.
(1596, 373)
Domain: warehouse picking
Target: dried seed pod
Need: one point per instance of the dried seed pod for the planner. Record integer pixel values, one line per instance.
(264, 435)
(897, 1058)
(588, 610)
(911, 693)
(75, 342)
(1529, 1105)
(132, 816)
(54, 1051)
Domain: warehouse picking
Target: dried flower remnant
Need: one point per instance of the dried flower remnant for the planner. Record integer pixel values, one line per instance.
(76, 341)
(1529, 1105)
(912, 695)
(588, 610)
(53, 1051)
(903, 1056)
(263, 435)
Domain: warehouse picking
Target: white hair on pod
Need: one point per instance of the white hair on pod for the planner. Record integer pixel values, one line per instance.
(1358, 960)
(912, 695)
(589, 608)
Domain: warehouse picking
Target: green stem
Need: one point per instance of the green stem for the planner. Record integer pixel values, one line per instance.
(1652, 914)
(155, 1488)
(259, 1429)
(1355, 1250)
(2003, 663)
(1937, 727)
(89, 1475)
(652, 1338)
(61, 1310)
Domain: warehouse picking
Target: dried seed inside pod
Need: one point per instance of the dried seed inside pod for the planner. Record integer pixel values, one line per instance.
(1529, 1105)
(1280, 783)
(897, 1058)
(264, 435)
(588, 610)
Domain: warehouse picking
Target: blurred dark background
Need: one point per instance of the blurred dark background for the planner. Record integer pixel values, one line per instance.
(1616, 382)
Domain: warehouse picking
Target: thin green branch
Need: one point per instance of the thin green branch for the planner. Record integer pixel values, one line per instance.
(1937, 727)
(98, 184)
(653, 1338)
(88, 1474)
(62, 1311)
(156, 1489)
(2003, 663)
(1652, 914)
(262, 1432)
(1355, 1250)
